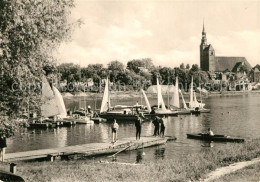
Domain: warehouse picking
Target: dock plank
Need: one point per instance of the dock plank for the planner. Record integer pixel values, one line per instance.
(87, 149)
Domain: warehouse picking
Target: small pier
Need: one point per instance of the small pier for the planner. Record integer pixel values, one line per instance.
(90, 149)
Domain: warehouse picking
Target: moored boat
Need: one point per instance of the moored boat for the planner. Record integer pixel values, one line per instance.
(160, 109)
(175, 101)
(122, 113)
(219, 138)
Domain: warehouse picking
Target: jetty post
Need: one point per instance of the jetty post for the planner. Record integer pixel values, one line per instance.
(13, 168)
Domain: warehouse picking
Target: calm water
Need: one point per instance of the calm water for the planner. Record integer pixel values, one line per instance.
(234, 115)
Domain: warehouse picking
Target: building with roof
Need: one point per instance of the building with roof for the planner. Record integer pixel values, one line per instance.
(212, 63)
(256, 75)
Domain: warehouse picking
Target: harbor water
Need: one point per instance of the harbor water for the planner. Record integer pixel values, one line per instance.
(230, 115)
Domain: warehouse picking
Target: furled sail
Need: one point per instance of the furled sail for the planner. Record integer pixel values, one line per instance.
(60, 103)
(183, 101)
(106, 100)
(160, 98)
(195, 102)
(146, 101)
(191, 105)
(175, 101)
(48, 106)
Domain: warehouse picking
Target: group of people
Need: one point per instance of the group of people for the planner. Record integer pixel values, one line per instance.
(158, 131)
(159, 127)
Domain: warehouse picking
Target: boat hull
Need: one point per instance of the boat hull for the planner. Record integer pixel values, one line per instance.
(118, 117)
(184, 112)
(219, 138)
(204, 110)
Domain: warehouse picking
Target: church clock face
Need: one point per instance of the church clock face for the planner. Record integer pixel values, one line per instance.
(211, 53)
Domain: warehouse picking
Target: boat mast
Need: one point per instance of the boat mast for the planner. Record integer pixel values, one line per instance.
(200, 88)
(191, 93)
(168, 91)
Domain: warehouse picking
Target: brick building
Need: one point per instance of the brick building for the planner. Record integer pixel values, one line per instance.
(212, 63)
(256, 75)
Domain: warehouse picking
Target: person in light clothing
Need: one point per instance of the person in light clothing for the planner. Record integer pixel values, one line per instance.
(114, 128)
(210, 132)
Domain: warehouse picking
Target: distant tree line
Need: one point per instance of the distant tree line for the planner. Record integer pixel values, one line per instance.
(136, 72)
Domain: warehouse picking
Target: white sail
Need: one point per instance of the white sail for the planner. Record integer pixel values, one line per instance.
(191, 105)
(183, 101)
(60, 103)
(146, 101)
(160, 98)
(106, 100)
(175, 101)
(48, 106)
(195, 102)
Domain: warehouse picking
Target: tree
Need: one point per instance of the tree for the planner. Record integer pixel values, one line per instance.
(95, 71)
(115, 65)
(188, 66)
(148, 63)
(30, 32)
(134, 65)
(194, 68)
(182, 66)
(167, 75)
(69, 72)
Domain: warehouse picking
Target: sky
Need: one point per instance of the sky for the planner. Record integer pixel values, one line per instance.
(167, 31)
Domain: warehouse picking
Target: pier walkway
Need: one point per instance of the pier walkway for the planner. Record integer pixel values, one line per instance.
(90, 149)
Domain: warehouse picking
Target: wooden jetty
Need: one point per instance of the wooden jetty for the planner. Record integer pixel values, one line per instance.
(90, 149)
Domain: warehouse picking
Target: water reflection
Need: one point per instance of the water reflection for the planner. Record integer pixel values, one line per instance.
(159, 153)
(209, 144)
(139, 156)
(235, 116)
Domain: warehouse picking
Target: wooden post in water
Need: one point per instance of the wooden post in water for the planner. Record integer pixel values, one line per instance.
(13, 168)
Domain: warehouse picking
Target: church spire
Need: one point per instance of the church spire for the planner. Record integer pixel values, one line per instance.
(203, 27)
(204, 37)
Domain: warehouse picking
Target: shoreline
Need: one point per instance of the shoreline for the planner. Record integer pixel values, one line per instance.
(193, 167)
(135, 94)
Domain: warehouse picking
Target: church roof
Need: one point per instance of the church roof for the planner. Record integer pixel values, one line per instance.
(256, 70)
(257, 66)
(230, 63)
(209, 47)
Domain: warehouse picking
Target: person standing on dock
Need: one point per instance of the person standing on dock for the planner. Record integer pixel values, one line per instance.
(156, 126)
(210, 132)
(162, 127)
(89, 109)
(138, 125)
(114, 127)
(2, 147)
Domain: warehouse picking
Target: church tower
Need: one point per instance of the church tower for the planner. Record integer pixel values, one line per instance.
(207, 54)
(204, 64)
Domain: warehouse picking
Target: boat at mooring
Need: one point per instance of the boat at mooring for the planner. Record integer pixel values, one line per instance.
(219, 138)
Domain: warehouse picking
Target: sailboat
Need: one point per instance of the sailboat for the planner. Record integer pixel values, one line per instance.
(122, 113)
(194, 106)
(175, 101)
(51, 107)
(161, 109)
(146, 101)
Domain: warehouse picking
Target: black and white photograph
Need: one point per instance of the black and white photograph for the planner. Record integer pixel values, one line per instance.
(129, 90)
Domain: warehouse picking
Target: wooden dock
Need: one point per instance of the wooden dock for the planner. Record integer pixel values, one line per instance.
(90, 149)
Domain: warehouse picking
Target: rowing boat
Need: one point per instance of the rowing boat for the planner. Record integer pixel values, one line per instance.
(219, 138)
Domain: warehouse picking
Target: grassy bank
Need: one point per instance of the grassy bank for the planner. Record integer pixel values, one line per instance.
(191, 167)
(250, 173)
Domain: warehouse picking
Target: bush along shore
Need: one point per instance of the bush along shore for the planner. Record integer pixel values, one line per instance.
(188, 168)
